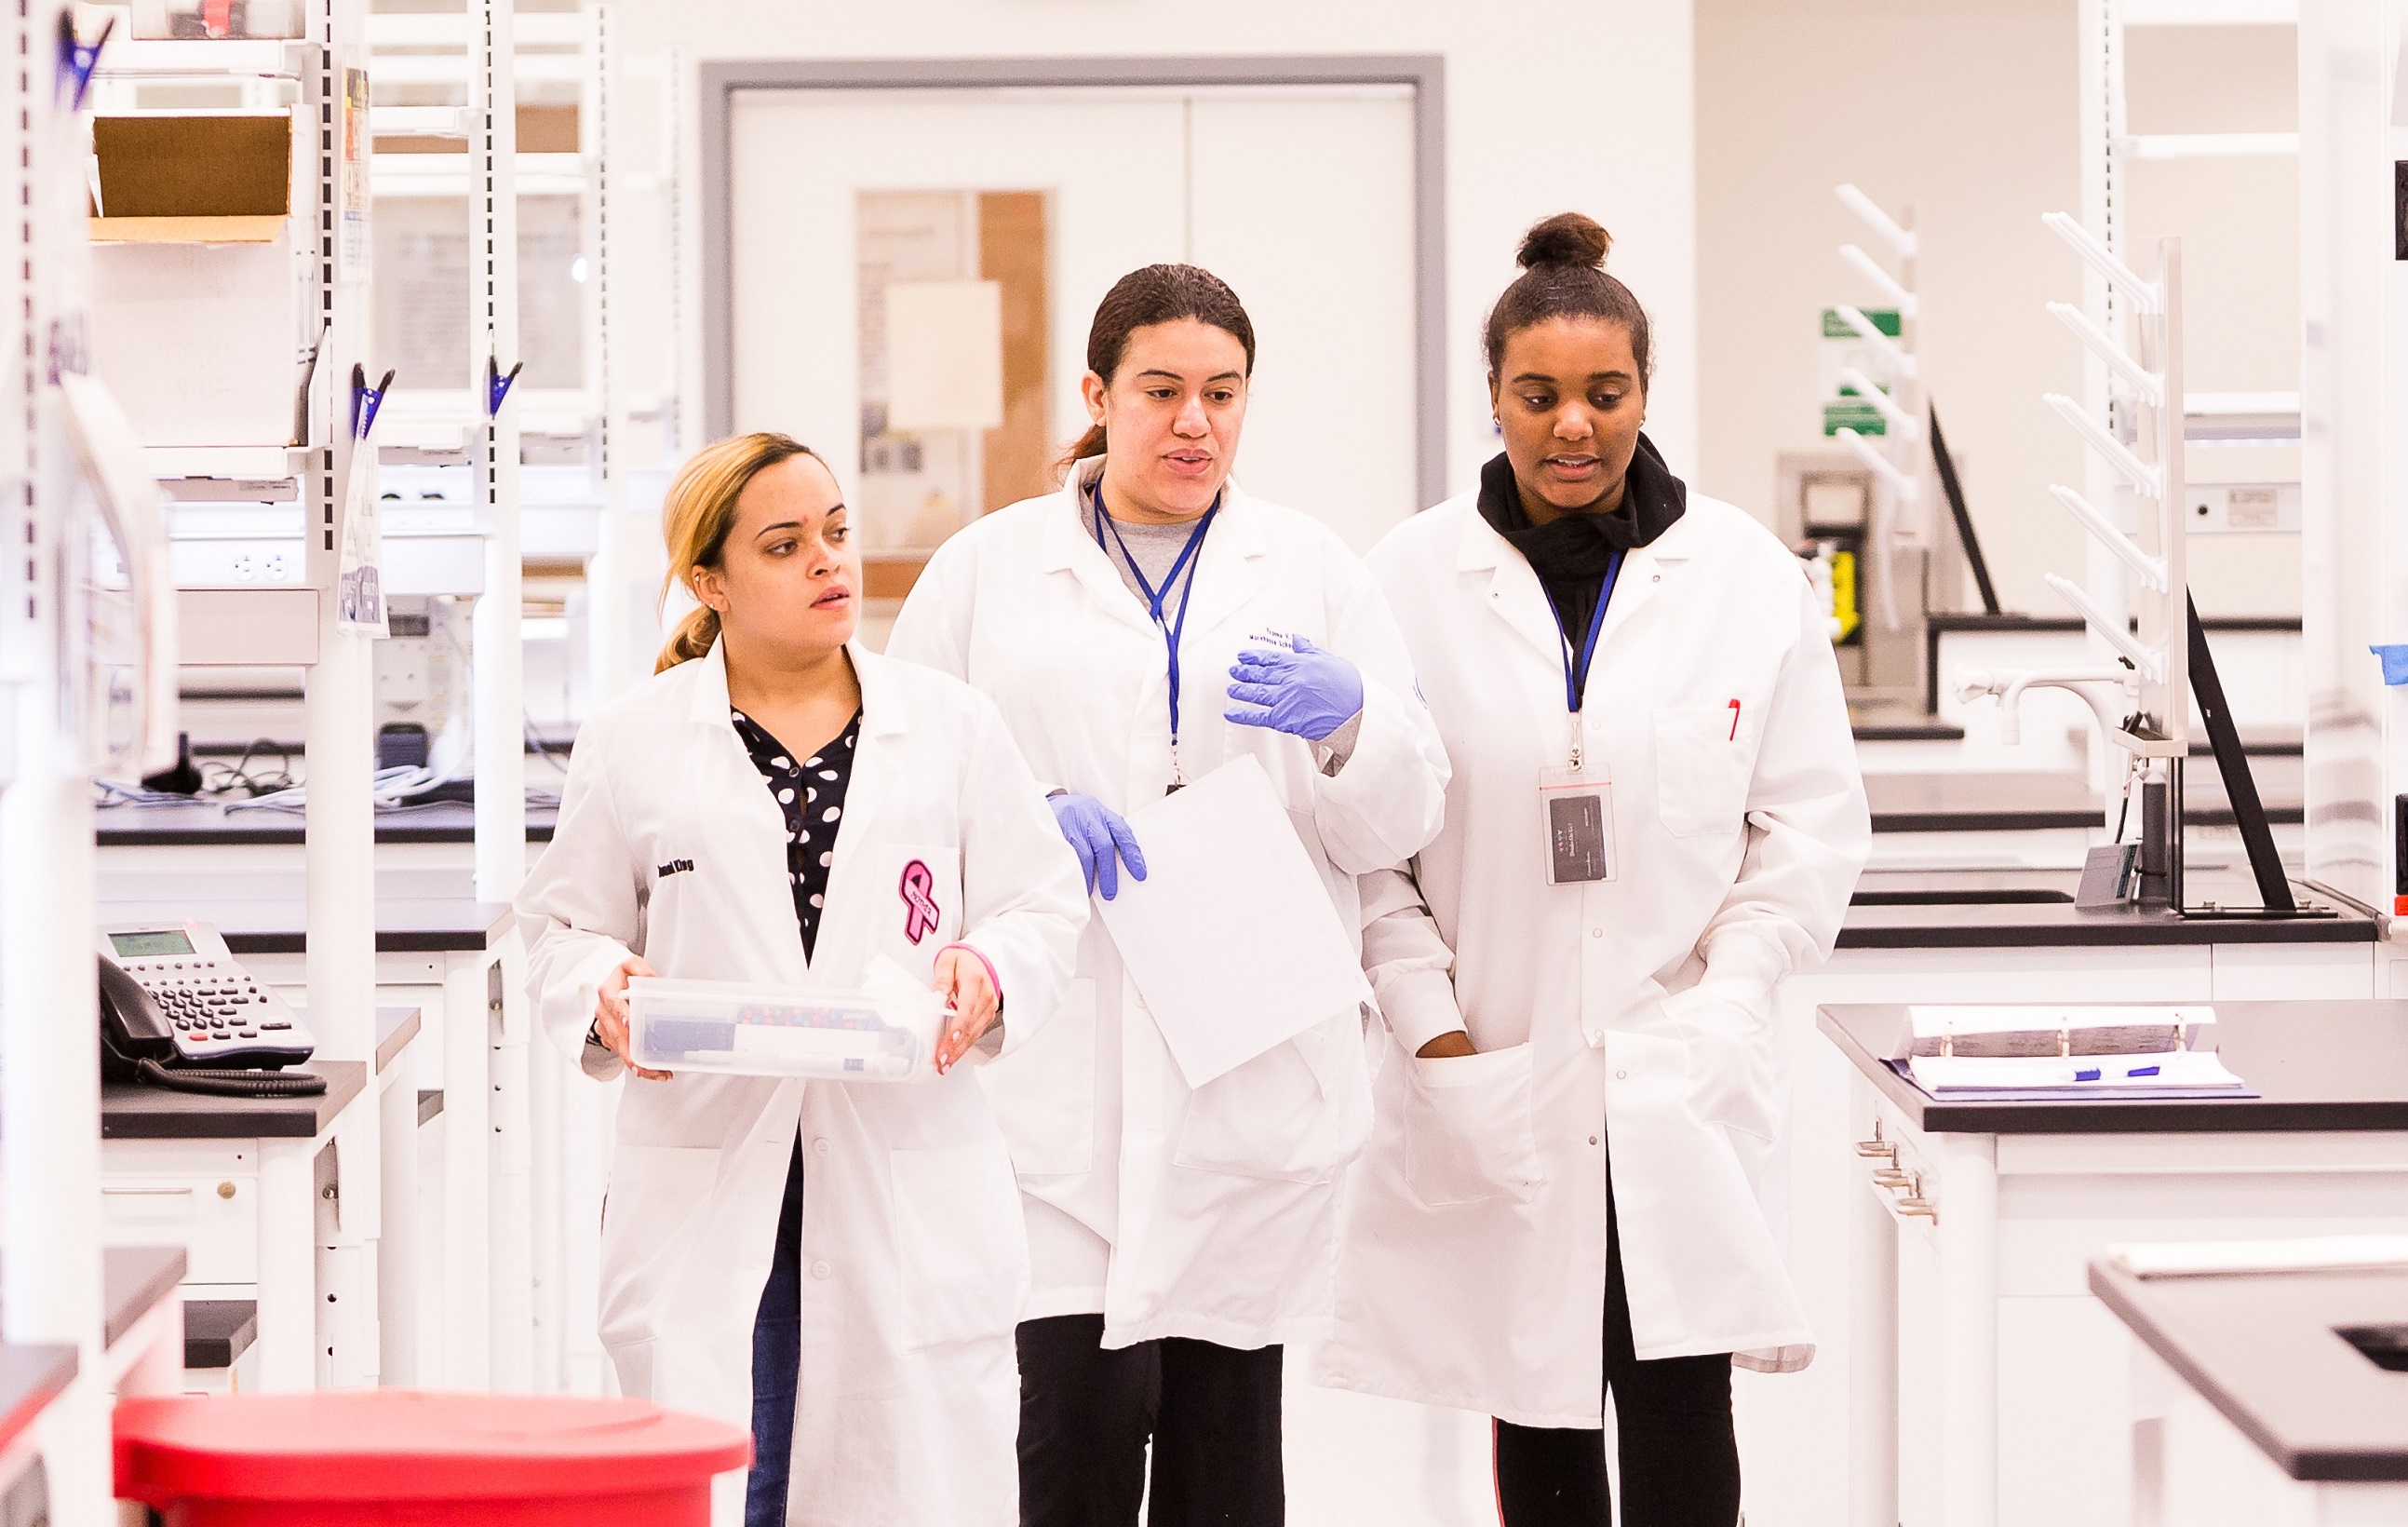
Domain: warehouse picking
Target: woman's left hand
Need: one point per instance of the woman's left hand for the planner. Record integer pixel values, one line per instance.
(971, 997)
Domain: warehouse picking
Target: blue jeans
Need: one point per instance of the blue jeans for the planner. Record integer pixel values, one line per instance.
(777, 1359)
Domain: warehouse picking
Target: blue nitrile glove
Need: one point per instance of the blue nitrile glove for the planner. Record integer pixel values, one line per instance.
(1103, 840)
(1305, 692)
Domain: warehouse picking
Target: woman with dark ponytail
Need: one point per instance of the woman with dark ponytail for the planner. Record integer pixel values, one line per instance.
(1141, 627)
(1654, 815)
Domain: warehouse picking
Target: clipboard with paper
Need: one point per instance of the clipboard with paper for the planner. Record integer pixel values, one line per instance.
(1231, 938)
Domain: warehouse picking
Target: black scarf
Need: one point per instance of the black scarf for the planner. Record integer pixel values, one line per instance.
(1570, 554)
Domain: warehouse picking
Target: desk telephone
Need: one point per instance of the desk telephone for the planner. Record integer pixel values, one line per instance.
(177, 1011)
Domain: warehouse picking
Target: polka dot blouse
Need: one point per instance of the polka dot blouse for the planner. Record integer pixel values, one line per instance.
(811, 795)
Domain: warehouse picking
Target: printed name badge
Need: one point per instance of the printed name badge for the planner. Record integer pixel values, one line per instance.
(1576, 812)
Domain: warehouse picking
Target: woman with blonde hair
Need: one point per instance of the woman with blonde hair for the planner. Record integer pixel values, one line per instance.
(839, 1264)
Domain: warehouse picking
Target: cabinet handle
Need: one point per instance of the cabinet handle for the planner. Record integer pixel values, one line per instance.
(1892, 1179)
(1922, 1206)
(1887, 1150)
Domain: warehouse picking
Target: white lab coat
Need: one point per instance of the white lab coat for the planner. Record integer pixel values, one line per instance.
(1218, 1205)
(1472, 1272)
(914, 1256)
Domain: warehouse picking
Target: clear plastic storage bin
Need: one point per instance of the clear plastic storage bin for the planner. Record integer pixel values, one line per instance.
(732, 1027)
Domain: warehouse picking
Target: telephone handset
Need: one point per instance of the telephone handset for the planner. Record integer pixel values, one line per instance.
(177, 1011)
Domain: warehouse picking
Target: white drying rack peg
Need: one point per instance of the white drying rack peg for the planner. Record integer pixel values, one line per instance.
(2150, 662)
(2151, 387)
(1903, 423)
(2151, 571)
(2148, 480)
(1886, 470)
(1901, 360)
(1898, 238)
(1886, 284)
(2146, 295)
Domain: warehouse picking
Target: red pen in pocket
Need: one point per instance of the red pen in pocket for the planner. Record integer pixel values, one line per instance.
(1734, 711)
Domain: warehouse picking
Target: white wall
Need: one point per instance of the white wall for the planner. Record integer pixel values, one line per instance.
(1968, 112)
(1539, 119)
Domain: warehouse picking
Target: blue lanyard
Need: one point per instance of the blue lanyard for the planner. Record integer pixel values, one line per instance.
(1576, 677)
(1155, 599)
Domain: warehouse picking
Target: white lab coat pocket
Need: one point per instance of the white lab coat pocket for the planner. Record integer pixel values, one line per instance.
(1703, 760)
(1295, 1113)
(657, 1196)
(1728, 1027)
(960, 1244)
(1044, 1093)
(1469, 1132)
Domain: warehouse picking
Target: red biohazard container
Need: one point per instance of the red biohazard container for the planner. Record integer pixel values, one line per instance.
(412, 1458)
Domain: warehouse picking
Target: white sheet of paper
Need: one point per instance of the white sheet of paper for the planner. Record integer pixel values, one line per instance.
(1231, 937)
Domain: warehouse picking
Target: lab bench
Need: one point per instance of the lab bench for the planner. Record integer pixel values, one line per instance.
(457, 959)
(1972, 1337)
(236, 1183)
(1987, 935)
(2248, 1405)
(2044, 819)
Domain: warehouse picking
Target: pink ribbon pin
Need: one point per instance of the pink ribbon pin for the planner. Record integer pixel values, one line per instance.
(919, 888)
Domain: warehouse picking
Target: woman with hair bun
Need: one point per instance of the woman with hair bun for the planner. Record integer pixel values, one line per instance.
(840, 1264)
(1141, 627)
(1655, 814)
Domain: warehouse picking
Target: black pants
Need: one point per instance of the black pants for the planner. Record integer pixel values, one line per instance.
(1680, 1457)
(776, 1357)
(1085, 1415)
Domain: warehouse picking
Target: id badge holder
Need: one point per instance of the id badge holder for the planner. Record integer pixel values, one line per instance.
(1576, 813)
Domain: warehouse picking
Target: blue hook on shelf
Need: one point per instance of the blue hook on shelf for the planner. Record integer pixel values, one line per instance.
(76, 60)
(497, 386)
(2395, 663)
(367, 400)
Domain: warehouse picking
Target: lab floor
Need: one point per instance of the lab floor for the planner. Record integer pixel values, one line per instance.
(1353, 1459)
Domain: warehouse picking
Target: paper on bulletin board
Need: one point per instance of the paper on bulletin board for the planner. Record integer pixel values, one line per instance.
(359, 572)
(353, 194)
(944, 356)
(1231, 937)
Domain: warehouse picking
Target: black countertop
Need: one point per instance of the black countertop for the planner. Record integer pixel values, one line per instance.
(2262, 1348)
(133, 1280)
(217, 1331)
(2020, 909)
(2317, 1065)
(130, 1111)
(29, 1379)
(264, 911)
(2030, 800)
(207, 822)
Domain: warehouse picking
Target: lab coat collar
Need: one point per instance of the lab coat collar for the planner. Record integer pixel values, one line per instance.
(884, 711)
(1516, 596)
(1229, 575)
(885, 714)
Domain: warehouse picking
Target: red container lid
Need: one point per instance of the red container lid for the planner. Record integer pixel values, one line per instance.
(362, 1444)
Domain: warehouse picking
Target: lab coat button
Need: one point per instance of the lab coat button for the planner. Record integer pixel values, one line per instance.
(820, 1148)
(821, 1270)
(1596, 932)
(1592, 1139)
(1622, 1075)
(1594, 1036)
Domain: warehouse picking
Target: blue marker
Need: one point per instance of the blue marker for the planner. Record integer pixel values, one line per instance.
(2088, 1074)
(2142, 1071)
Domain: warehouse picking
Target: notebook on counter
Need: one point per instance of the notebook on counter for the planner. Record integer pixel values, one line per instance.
(2041, 1052)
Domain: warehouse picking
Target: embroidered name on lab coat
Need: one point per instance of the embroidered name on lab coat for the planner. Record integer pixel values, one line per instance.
(673, 867)
(919, 892)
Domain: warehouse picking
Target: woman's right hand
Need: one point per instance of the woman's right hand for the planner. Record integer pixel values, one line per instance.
(1447, 1046)
(1103, 840)
(610, 1014)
